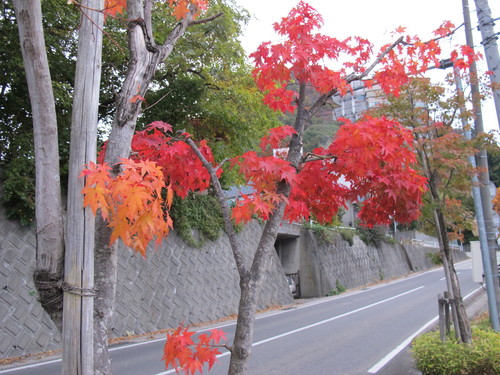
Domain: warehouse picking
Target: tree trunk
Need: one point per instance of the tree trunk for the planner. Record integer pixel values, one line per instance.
(461, 321)
(78, 288)
(243, 337)
(251, 282)
(48, 206)
(145, 56)
(106, 260)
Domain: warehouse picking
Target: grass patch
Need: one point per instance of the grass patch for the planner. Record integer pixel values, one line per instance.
(339, 288)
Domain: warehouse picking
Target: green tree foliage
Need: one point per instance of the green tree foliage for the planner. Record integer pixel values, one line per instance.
(206, 89)
(322, 127)
(16, 132)
(494, 168)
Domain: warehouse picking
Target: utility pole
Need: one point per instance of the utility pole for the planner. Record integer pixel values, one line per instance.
(478, 208)
(482, 158)
(78, 307)
(489, 43)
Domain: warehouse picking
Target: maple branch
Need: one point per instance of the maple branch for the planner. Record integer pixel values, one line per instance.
(229, 348)
(103, 11)
(357, 77)
(205, 20)
(159, 100)
(309, 157)
(148, 23)
(352, 77)
(235, 246)
(224, 161)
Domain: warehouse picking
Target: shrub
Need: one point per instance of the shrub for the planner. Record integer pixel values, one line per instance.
(435, 258)
(434, 357)
(371, 236)
(197, 212)
(321, 232)
(339, 288)
(347, 235)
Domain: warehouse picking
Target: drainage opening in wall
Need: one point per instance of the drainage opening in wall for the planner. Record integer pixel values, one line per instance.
(288, 254)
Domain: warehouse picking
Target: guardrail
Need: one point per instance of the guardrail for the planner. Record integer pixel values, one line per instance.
(431, 244)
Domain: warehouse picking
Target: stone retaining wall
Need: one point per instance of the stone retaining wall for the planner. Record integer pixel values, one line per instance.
(179, 284)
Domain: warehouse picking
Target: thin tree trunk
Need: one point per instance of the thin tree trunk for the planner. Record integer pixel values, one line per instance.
(145, 56)
(250, 283)
(460, 319)
(78, 351)
(48, 206)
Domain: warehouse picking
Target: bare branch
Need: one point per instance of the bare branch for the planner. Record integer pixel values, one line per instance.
(228, 226)
(350, 78)
(159, 100)
(309, 157)
(205, 20)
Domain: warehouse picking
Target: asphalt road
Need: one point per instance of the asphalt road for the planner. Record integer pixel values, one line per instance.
(357, 332)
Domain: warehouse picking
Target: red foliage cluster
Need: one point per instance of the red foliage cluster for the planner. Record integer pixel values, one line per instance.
(369, 162)
(183, 354)
(132, 202)
(182, 169)
(305, 54)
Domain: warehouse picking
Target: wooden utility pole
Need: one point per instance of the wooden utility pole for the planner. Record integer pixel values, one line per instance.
(489, 43)
(78, 309)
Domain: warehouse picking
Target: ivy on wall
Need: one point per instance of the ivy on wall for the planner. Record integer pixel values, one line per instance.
(197, 218)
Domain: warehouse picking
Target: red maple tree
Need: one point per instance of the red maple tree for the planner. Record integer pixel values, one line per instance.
(369, 161)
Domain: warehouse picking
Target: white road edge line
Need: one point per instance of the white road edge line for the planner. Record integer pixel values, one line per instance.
(315, 324)
(379, 365)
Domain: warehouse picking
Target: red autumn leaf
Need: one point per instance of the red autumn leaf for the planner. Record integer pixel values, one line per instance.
(217, 335)
(182, 353)
(400, 30)
(137, 98)
(277, 137)
(160, 125)
(445, 29)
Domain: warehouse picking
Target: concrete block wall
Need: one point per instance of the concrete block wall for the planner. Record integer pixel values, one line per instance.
(172, 285)
(178, 284)
(24, 325)
(181, 284)
(325, 264)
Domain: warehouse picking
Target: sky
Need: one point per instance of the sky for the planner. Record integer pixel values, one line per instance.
(374, 20)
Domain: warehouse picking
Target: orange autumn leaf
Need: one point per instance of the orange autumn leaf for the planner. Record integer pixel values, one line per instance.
(496, 201)
(112, 7)
(137, 98)
(181, 7)
(131, 202)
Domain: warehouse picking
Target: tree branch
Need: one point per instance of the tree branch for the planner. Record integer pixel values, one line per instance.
(351, 78)
(309, 157)
(205, 20)
(237, 253)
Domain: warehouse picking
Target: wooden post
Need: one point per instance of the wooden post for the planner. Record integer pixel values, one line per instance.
(78, 309)
(447, 317)
(441, 313)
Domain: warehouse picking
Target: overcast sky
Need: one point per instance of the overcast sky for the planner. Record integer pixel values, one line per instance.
(371, 19)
